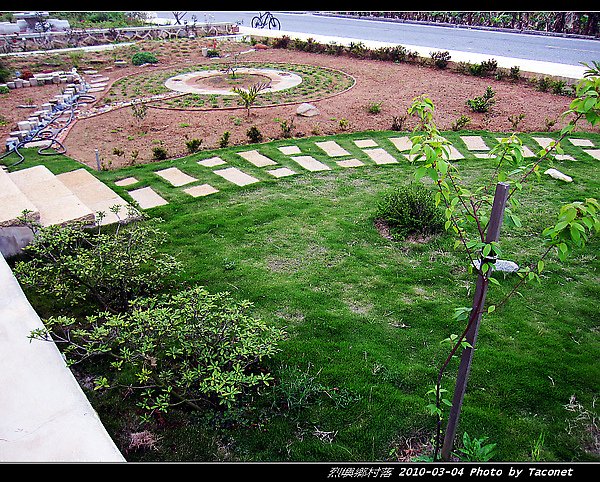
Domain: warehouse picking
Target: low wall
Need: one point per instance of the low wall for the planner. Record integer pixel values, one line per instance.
(26, 42)
(46, 417)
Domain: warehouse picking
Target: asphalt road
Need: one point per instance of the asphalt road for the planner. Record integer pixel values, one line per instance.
(562, 50)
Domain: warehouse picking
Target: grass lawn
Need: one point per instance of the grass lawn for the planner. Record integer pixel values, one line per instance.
(365, 315)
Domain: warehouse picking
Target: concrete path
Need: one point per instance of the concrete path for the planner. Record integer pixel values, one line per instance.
(46, 417)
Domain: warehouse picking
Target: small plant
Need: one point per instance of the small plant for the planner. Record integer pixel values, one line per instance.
(487, 67)
(184, 124)
(558, 87)
(440, 59)
(159, 153)
(398, 122)
(536, 450)
(482, 103)
(543, 84)
(474, 450)
(460, 123)
(463, 67)
(212, 53)
(344, 124)
(248, 97)
(139, 111)
(254, 135)
(286, 128)
(501, 74)
(118, 152)
(374, 108)
(515, 73)
(224, 140)
(515, 120)
(4, 89)
(142, 58)
(236, 121)
(193, 145)
(134, 155)
(3, 121)
(410, 210)
(549, 123)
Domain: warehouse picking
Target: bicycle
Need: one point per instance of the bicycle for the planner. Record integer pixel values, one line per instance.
(266, 19)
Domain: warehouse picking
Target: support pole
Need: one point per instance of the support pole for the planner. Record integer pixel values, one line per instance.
(493, 233)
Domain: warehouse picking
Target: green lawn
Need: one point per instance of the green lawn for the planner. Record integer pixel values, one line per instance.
(365, 315)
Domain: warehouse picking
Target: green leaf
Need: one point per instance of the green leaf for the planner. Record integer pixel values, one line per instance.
(540, 266)
(491, 308)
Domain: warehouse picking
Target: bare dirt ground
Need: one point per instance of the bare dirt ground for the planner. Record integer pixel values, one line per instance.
(393, 85)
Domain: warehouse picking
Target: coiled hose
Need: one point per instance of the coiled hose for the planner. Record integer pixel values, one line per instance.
(48, 132)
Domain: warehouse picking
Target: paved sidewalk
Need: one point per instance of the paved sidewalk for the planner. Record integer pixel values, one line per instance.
(46, 417)
(533, 66)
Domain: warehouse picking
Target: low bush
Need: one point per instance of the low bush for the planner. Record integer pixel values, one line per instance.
(410, 210)
(141, 58)
(159, 153)
(460, 123)
(224, 140)
(374, 108)
(193, 145)
(440, 59)
(254, 135)
(483, 103)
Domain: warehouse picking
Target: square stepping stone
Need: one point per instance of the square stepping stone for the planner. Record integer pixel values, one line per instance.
(595, 153)
(290, 150)
(126, 182)
(455, 154)
(211, 162)
(350, 163)
(202, 190)
(475, 143)
(147, 197)
(484, 155)
(581, 142)
(257, 158)
(365, 143)
(401, 143)
(380, 156)
(564, 157)
(281, 172)
(234, 175)
(543, 141)
(332, 148)
(175, 176)
(310, 163)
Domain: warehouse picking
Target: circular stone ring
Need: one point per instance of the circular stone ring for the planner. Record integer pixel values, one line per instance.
(189, 82)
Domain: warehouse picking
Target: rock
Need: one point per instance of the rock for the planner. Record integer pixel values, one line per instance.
(260, 47)
(307, 110)
(556, 174)
(501, 265)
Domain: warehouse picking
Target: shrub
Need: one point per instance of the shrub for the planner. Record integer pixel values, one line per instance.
(558, 87)
(248, 97)
(440, 59)
(286, 128)
(482, 103)
(460, 123)
(159, 153)
(193, 145)
(192, 347)
(5, 73)
(515, 73)
(4, 89)
(515, 120)
(398, 122)
(410, 210)
(254, 135)
(543, 84)
(463, 67)
(344, 124)
(141, 58)
(374, 108)
(210, 53)
(107, 266)
(487, 67)
(224, 140)
(282, 42)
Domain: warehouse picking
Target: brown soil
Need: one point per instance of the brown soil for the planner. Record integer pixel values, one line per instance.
(224, 81)
(393, 85)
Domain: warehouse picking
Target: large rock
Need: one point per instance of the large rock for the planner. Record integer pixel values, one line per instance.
(556, 174)
(307, 110)
(501, 265)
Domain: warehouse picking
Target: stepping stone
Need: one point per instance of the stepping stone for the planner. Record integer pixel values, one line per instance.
(564, 157)
(365, 143)
(401, 143)
(290, 150)
(211, 162)
(484, 155)
(95, 194)
(380, 156)
(202, 190)
(475, 143)
(56, 203)
(281, 172)
(350, 163)
(310, 163)
(257, 158)
(175, 176)
(332, 148)
(234, 175)
(126, 182)
(147, 198)
(595, 153)
(543, 141)
(98, 89)
(455, 154)
(581, 142)
(13, 202)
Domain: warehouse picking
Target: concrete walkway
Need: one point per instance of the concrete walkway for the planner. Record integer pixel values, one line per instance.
(46, 417)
